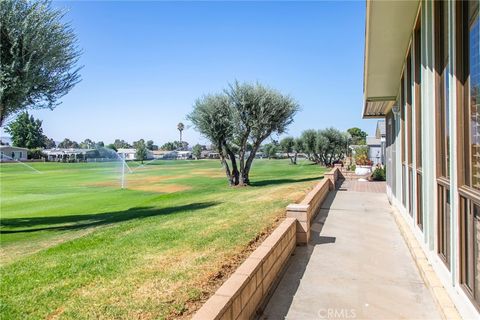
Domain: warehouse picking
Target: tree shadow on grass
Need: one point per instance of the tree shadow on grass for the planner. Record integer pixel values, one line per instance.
(74, 222)
(262, 183)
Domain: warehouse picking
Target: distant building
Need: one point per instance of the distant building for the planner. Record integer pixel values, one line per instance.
(165, 154)
(184, 155)
(131, 153)
(8, 153)
(67, 154)
(260, 155)
(213, 155)
(374, 150)
(380, 133)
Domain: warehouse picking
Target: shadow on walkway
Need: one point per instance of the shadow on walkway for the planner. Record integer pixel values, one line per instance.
(293, 273)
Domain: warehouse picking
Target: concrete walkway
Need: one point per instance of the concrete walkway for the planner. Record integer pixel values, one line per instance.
(356, 266)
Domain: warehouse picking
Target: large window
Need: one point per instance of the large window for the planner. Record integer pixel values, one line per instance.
(443, 88)
(417, 54)
(402, 136)
(473, 97)
(408, 96)
(391, 153)
(408, 100)
(402, 118)
(442, 130)
(468, 64)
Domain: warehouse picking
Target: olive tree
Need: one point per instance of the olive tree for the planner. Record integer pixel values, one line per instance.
(289, 146)
(325, 146)
(309, 145)
(238, 120)
(335, 145)
(39, 56)
(259, 112)
(270, 150)
(212, 116)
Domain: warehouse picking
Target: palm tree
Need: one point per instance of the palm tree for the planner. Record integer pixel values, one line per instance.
(180, 127)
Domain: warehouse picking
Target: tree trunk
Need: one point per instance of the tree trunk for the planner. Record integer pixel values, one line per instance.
(295, 158)
(291, 159)
(235, 172)
(241, 161)
(241, 157)
(248, 165)
(222, 150)
(227, 170)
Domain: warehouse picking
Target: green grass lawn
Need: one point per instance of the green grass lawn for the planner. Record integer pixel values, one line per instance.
(75, 245)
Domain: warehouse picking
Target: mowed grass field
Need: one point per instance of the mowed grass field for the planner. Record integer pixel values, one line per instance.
(76, 246)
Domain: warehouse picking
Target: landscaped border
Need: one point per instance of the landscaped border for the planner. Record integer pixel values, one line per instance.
(248, 287)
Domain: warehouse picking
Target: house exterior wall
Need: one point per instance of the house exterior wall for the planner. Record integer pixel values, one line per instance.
(375, 154)
(398, 177)
(383, 150)
(13, 153)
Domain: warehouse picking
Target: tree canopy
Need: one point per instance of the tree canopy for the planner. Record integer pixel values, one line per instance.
(197, 151)
(119, 143)
(67, 143)
(180, 128)
(39, 56)
(238, 120)
(49, 143)
(289, 145)
(151, 145)
(141, 150)
(325, 146)
(358, 136)
(26, 132)
(175, 145)
(87, 144)
(270, 150)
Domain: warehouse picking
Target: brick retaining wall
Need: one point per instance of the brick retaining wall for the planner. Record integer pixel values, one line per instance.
(306, 210)
(242, 293)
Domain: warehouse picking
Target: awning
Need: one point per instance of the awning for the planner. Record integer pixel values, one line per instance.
(389, 25)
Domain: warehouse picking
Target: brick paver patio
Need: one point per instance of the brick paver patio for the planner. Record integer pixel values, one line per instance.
(363, 186)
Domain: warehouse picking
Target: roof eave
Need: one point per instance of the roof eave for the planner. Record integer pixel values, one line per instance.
(388, 29)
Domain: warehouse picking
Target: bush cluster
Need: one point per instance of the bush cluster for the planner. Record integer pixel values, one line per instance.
(379, 174)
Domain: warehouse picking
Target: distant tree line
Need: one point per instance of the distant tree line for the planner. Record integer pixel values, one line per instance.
(27, 132)
(325, 147)
(174, 145)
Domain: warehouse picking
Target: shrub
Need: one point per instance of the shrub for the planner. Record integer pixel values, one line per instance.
(36, 153)
(361, 156)
(379, 174)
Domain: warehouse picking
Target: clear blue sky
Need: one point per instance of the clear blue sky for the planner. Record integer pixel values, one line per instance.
(145, 63)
